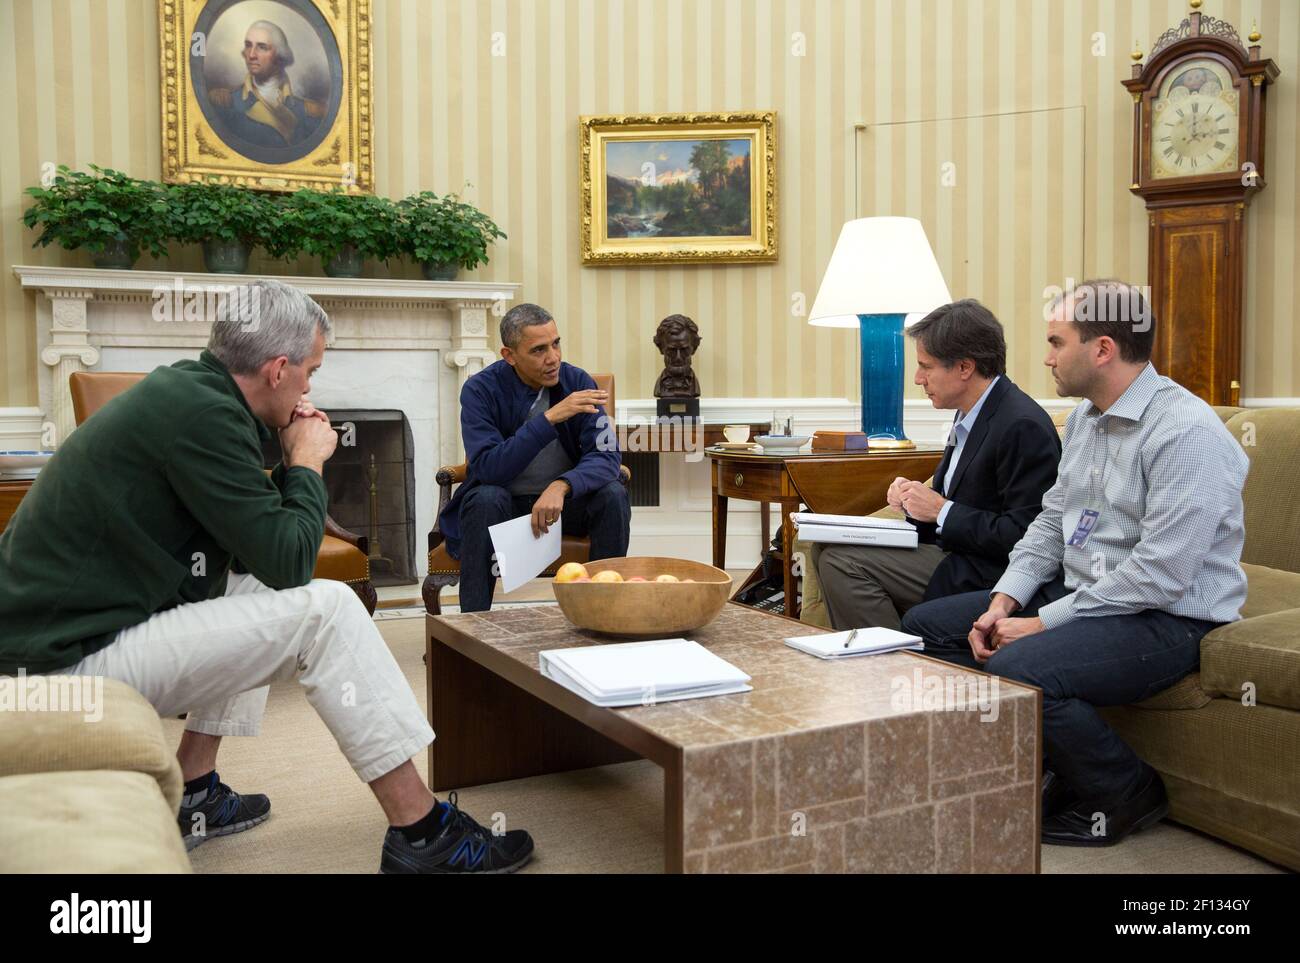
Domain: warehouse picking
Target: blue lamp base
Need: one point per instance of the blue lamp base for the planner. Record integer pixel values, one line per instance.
(882, 380)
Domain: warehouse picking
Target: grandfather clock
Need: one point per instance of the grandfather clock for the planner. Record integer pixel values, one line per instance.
(1198, 159)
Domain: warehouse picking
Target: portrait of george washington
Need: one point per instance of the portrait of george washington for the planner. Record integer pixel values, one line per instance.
(269, 78)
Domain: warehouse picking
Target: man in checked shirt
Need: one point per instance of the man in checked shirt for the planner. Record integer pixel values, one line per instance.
(1133, 559)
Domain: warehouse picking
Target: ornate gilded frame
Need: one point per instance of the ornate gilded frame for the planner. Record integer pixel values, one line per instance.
(595, 132)
(192, 150)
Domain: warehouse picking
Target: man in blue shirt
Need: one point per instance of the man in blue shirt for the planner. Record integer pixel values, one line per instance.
(538, 442)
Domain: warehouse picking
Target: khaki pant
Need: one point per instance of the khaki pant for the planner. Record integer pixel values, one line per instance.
(865, 585)
(215, 659)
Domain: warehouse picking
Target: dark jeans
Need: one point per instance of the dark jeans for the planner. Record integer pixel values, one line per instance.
(1105, 661)
(604, 515)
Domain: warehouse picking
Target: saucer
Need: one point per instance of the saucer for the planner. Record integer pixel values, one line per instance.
(782, 442)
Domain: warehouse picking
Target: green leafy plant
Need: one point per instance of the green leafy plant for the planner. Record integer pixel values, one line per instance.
(324, 224)
(211, 211)
(445, 230)
(92, 210)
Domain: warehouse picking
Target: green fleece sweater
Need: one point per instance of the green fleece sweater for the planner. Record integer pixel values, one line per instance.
(143, 508)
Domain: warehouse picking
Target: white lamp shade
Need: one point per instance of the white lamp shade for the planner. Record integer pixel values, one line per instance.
(880, 265)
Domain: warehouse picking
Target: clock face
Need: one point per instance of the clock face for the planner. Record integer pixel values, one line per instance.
(1194, 122)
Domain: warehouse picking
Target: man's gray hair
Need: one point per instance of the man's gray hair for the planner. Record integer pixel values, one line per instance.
(519, 317)
(262, 320)
(278, 40)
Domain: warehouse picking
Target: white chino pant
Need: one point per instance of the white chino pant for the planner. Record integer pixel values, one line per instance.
(215, 659)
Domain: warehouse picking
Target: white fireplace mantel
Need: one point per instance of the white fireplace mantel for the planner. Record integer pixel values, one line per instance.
(395, 343)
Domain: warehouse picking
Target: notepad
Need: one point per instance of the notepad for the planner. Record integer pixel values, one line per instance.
(642, 673)
(872, 641)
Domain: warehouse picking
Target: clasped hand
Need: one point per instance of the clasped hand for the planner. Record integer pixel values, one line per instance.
(921, 502)
(996, 628)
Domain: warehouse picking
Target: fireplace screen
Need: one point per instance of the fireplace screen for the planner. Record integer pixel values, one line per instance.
(371, 486)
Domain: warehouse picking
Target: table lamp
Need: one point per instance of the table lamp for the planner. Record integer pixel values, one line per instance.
(881, 271)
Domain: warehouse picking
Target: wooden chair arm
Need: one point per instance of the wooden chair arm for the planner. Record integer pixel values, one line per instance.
(360, 542)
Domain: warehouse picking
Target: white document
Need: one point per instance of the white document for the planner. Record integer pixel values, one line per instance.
(872, 641)
(859, 535)
(856, 521)
(635, 673)
(520, 556)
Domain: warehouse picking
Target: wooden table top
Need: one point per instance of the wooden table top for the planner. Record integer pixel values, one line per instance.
(793, 692)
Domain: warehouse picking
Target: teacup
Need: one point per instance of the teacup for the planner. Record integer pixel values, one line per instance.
(736, 434)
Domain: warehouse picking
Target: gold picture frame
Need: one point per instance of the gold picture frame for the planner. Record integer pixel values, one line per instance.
(237, 107)
(633, 212)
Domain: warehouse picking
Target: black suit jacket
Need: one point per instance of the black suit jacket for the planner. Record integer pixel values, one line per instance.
(1007, 465)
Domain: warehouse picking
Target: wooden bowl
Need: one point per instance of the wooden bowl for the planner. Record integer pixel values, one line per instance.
(652, 609)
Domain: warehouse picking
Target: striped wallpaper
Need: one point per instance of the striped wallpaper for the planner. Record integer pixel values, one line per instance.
(992, 120)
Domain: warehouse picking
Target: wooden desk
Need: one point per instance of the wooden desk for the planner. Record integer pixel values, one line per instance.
(834, 483)
(11, 493)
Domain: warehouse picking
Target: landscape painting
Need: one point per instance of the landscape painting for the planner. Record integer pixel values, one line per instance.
(679, 188)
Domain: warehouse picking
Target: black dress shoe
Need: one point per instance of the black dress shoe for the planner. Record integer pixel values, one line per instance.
(1079, 826)
(1056, 794)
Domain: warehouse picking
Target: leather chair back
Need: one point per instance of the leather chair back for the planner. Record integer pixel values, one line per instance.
(91, 390)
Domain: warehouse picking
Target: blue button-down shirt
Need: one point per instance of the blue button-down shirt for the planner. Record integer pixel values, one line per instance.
(1165, 477)
(960, 432)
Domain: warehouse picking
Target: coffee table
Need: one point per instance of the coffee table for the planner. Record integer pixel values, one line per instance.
(891, 763)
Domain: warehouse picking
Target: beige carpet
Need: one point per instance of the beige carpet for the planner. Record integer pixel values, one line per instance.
(606, 820)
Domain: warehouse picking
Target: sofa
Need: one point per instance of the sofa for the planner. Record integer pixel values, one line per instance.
(1226, 739)
(83, 794)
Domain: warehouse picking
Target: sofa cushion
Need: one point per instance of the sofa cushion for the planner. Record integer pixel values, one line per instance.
(123, 732)
(1271, 439)
(1269, 590)
(88, 822)
(1186, 693)
(1263, 651)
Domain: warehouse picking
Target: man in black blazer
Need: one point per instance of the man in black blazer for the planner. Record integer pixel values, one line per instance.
(1001, 457)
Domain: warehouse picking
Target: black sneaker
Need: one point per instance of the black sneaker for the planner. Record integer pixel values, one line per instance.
(462, 846)
(220, 812)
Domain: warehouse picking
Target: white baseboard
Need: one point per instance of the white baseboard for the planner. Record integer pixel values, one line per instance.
(21, 429)
(1270, 402)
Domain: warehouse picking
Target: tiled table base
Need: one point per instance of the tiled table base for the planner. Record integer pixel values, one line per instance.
(825, 767)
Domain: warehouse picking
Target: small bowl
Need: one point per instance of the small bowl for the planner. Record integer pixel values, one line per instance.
(783, 442)
(647, 609)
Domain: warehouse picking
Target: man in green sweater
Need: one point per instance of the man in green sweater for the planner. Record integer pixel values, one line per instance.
(119, 563)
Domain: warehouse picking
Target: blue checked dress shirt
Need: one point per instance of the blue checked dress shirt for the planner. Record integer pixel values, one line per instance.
(960, 432)
(1166, 477)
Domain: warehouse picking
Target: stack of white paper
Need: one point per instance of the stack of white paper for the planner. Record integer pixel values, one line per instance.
(874, 641)
(855, 529)
(642, 673)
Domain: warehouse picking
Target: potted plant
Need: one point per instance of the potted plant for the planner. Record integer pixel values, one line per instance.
(445, 234)
(227, 220)
(107, 212)
(341, 229)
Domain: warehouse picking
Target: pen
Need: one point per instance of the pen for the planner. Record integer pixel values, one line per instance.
(849, 640)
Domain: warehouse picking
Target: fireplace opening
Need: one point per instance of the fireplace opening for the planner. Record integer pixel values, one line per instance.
(371, 485)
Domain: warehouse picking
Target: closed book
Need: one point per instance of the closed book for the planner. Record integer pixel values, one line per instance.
(839, 441)
(859, 535)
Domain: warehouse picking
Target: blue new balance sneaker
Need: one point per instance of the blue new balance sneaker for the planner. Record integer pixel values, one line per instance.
(219, 811)
(460, 846)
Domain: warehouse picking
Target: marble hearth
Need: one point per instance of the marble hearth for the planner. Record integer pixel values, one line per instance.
(405, 345)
